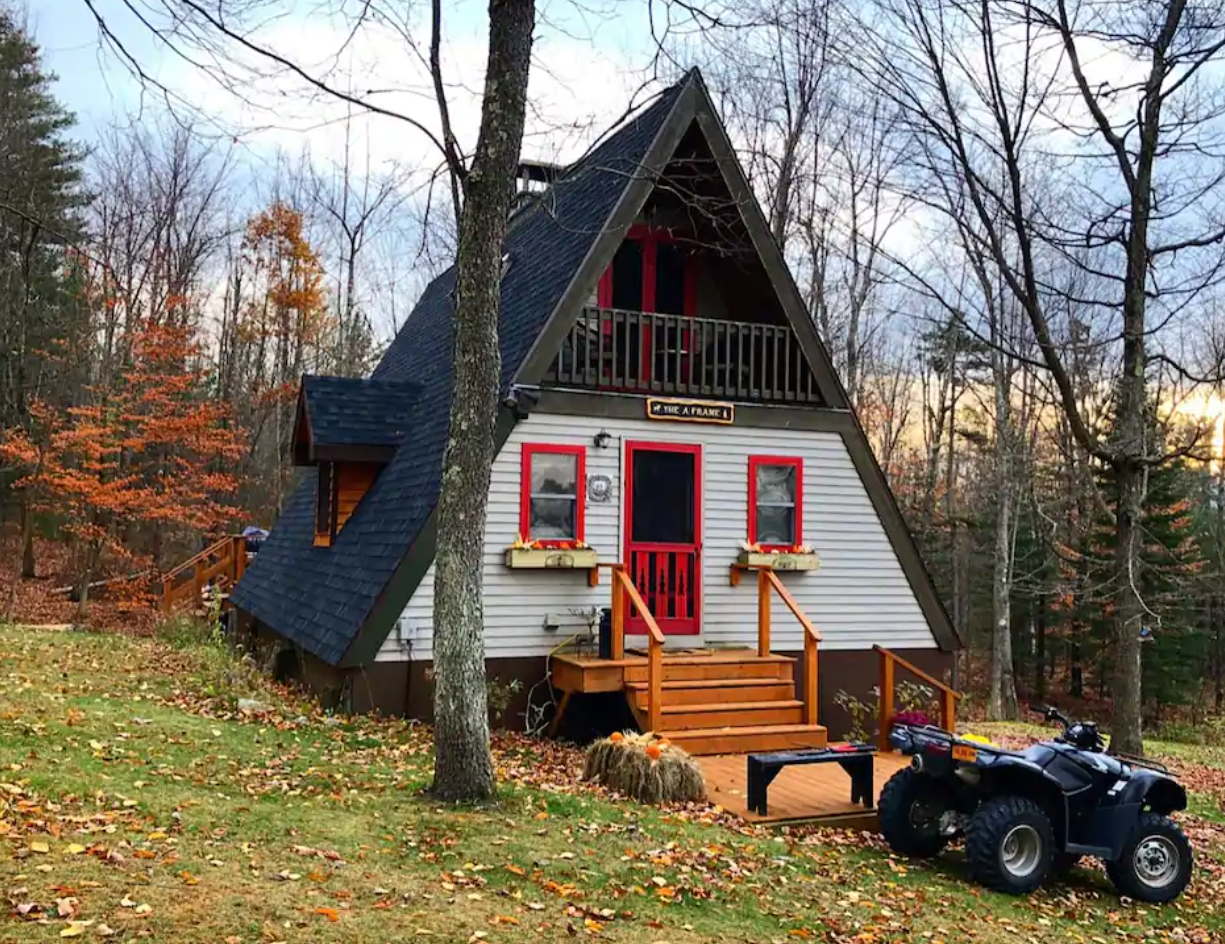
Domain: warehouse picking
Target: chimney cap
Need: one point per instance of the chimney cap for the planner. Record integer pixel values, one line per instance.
(539, 171)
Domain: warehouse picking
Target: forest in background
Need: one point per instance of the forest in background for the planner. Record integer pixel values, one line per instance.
(938, 184)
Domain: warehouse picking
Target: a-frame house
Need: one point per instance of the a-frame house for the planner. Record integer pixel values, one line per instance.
(667, 401)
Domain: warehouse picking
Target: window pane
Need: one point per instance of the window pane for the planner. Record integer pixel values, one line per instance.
(775, 525)
(627, 276)
(669, 280)
(776, 484)
(552, 519)
(664, 486)
(554, 473)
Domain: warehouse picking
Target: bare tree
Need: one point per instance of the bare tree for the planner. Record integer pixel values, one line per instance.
(1034, 175)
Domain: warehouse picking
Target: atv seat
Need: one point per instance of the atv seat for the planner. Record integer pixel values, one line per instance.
(855, 759)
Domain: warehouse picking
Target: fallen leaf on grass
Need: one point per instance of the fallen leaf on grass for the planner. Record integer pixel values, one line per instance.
(330, 913)
(40, 847)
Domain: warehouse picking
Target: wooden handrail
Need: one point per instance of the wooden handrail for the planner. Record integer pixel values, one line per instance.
(203, 568)
(202, 555)
(623, 587)
(948, 695)
(767, 580)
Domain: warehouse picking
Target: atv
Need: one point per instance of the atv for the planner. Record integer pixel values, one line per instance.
(1027, 815)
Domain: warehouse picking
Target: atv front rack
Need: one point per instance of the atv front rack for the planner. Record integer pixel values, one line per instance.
(930, 734)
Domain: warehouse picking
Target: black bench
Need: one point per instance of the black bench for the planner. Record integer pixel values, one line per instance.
(856, 761)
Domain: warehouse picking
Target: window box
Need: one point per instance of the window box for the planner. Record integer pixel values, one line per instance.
(781, 560)
(542, 558)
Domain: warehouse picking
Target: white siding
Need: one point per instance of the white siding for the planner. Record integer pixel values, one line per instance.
(859, 596)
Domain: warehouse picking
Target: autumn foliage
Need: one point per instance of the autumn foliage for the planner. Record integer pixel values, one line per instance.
(145, 460)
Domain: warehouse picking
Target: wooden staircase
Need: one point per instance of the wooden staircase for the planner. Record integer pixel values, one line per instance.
(207, 576)
(725, 703)
(707, 701)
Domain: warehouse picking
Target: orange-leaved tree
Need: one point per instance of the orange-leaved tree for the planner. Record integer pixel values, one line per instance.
(147, 458)
(275, 328)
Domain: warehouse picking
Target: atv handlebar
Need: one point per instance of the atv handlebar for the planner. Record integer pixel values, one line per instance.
(1051, 713)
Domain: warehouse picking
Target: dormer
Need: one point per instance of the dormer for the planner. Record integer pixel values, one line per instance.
(349, 428)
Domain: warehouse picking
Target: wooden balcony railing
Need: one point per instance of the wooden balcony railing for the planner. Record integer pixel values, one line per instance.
(624, 595)
(642, 352)
(223, 561)
(889, 662)
(767, 582)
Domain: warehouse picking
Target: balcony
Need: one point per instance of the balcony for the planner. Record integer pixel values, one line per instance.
(642, 352)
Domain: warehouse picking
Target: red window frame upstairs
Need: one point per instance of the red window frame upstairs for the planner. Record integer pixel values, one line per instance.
(525, 490)
(794, 462)
(650, 237)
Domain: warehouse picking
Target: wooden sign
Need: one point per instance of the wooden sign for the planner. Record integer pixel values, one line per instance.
(690, 411)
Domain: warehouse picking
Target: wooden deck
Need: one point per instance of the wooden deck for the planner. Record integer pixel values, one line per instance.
(817, 792)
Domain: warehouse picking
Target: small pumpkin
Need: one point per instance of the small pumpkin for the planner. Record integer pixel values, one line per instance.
(616, 737)
(654, 751)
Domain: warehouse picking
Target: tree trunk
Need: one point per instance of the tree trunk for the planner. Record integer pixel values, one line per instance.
(1128, 614)
(28, 569)
(1040, 648)
(463, 767)
(1002, 701)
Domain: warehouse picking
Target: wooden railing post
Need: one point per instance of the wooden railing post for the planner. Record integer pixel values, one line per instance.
(886, 700)
(763, 613)
(810, 679)
(197, 585)
(655, 683)
(948, 711)
(240, 558)
(618, 616)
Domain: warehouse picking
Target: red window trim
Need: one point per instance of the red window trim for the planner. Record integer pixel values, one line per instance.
(651, 237)
(525, 489)
(798, 464)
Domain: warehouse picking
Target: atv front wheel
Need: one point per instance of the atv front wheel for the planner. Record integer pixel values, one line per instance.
(910, 808)
(1010, 845)
(1156, 862)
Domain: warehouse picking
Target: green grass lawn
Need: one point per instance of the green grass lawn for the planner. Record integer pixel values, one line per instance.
(136, 803)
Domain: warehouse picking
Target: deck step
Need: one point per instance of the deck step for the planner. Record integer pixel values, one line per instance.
(743, 740)
(731, 714)
(707, 691)
(711, 668)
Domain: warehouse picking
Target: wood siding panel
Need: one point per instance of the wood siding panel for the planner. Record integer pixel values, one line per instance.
(353, 481)
(858, 598)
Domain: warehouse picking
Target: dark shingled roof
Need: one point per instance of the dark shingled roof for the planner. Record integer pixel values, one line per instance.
(319, 597)
(358, 411)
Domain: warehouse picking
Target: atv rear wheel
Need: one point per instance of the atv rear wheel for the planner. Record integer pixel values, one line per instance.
(1010, 845)
(1156, 862)
(910, 808)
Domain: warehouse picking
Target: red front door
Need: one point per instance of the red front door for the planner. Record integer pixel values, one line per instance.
(663, 532)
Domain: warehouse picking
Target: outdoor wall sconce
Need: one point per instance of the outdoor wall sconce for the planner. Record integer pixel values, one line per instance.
(602, 439)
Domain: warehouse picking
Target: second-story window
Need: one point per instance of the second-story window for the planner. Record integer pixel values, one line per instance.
(650, 272)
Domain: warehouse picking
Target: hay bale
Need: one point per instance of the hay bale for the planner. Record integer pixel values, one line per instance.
(624, 762)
